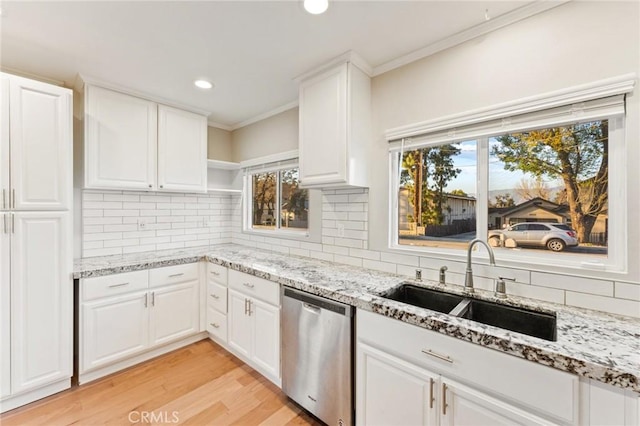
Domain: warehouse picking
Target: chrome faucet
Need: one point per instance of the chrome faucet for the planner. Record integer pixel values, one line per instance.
(468, 278)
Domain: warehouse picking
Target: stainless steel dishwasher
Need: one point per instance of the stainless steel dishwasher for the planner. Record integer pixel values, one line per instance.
(317, 355)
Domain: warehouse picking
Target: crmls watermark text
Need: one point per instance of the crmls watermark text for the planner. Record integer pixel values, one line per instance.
(154, 417)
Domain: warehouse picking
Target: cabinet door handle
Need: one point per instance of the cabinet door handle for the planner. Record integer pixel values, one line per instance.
(214, 325)
(4, 223)
(153, 299)
(217, 274)
(176, 275)
(161, 186)
(13, 191)
(444, 399)
(118, 285)
(150, 186)
(248, 285)
(145, 300)
(13, 223)
(4, 198)
(431, 398)
(437, 355)
(246, 309)
(250, 302)
(215, 296)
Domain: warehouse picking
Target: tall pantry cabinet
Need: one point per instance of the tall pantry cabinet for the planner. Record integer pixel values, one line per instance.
(36, 288)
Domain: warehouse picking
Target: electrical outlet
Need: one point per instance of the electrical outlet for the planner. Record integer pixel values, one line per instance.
(340, 227)
(142, 224)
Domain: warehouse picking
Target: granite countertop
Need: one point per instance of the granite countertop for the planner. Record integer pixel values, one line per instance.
(591, 344)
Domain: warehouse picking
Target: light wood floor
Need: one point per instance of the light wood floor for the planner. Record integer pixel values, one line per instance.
(202, 383)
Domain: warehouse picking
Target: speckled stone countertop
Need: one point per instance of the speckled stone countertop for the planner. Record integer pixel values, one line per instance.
(591, 344)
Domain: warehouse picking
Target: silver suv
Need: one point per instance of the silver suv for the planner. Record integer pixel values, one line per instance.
(553, 236)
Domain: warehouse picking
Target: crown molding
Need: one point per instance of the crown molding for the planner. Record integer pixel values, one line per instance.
(219, 125)
(349, 56)
(264, 115)
(83, 79)
(471, 33)
(32, 76)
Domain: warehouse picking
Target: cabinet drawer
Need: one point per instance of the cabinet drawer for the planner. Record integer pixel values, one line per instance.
(173, 274)
(112, 285)
(217, 297)
(533, 385)
(256, 287)
(217, 324)
(216, 273)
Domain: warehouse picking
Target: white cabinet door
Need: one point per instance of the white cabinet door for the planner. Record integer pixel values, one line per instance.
(182, 150)
(174, 312)
(323, 128)
(4, 142)
(390, 391)
(240, 324)
(120, 140)
(266, 336)
(40, 128)
(112, 329)
(5, 307)
(41, 299)
(462, 405)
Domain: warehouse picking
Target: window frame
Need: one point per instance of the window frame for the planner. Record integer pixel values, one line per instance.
(616, 260)
(247, 205)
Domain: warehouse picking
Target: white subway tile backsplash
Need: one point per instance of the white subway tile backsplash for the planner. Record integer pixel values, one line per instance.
(401, 259)
(601, 303)
(379, 266)
(577, 284)
(627, 291)
(118, 222)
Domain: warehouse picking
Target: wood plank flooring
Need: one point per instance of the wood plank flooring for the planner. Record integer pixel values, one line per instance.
(201, 384)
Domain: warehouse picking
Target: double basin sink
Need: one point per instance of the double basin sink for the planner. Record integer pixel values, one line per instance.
(520, 320)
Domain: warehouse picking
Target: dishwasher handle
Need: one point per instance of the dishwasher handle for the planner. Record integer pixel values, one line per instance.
(316, 303)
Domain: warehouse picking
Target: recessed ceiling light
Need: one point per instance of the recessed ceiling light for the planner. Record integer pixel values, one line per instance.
(316, 7)
(203, 84)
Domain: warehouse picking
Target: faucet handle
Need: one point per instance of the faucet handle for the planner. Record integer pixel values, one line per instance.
(501, 288)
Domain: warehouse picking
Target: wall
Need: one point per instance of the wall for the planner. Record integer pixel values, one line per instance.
(579, 42)
(219, 144)
(110, 221)
(273, 135)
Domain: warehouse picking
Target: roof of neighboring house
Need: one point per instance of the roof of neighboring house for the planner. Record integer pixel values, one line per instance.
(538, 202)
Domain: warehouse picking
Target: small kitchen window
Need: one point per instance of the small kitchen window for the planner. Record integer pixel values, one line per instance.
(274, 203)
(539, 187)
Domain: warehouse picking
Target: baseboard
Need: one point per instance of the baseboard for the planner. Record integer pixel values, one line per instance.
(13, 402)
(92, 375)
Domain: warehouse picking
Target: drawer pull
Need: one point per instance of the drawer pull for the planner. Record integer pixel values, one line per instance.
(118, 285)
(176, 275)
(431, 398)
(248, 285)
(217, 274)
(437, 355)
(214, 325)
(444, 399)
(215, 296)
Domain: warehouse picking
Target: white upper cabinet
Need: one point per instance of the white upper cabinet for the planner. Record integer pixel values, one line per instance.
(182, 150)
(120, 140)
(35, 148)
(136, 144)
(335, 127)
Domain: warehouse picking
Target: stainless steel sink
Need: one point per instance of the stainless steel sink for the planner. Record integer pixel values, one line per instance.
(520, 320)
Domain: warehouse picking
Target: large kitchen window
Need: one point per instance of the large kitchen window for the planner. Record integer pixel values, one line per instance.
(540, 187)
(275, 202)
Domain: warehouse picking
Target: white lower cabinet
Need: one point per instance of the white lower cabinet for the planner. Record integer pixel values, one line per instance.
(134, 313)
(254, 322)
(216, 302)
(114, 329)
(412, 376)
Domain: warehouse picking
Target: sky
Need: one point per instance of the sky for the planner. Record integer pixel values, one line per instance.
(499, 178)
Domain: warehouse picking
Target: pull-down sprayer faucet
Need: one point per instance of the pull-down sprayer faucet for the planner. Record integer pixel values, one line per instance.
(468, 278)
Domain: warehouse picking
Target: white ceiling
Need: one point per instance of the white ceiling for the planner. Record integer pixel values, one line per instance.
(251, 50)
